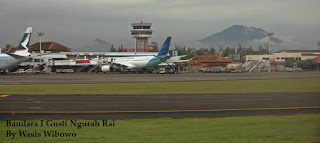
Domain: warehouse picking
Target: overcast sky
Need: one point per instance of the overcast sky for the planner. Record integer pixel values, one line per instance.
(76, 23)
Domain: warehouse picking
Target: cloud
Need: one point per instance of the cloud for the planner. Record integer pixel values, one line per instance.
(77, 22)
(290, 42)
(287, 42)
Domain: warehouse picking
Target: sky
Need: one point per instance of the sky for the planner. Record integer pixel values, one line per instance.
(76, 23)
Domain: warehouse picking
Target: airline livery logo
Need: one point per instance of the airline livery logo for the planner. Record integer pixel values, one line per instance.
(26, 41)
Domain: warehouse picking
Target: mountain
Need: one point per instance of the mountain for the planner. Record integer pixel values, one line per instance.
(235, 35)
(97, 45)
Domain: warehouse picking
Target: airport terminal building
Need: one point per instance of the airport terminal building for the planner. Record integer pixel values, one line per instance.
(276, 61)
(281, 56)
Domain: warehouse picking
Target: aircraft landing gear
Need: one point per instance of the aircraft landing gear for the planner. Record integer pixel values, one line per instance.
(3, 72)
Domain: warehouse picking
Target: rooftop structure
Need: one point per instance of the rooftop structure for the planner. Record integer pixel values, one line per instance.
(49, 47)
(201, 62)
(212, 60)
(299, 51)
(9, 50)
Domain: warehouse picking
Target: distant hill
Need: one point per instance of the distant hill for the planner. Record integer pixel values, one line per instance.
(97, 45)
(235, 35)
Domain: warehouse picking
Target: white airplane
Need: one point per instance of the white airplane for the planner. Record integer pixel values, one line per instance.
(129, 63)
(10, 60)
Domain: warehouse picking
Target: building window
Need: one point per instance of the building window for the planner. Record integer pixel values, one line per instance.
(38, 60)
(146, 27)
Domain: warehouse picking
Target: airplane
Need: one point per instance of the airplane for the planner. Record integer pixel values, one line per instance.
(10, 60)
(130, 63)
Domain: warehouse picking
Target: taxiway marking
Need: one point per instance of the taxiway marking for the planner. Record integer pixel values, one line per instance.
(4, 95)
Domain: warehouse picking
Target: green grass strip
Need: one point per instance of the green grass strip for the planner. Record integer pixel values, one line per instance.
(255, 129)
(199, 87)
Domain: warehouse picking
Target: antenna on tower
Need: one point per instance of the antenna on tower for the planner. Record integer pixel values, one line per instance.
(140, 18)
(137, 18)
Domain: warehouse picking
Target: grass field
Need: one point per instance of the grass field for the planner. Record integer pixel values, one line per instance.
(258, 129)
(198, 87)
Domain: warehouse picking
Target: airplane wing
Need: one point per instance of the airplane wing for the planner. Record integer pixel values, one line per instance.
(43, 54)
(125, 65)
(15, 56)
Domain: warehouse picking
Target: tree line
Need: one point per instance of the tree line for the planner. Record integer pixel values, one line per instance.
(307, 64)
(151, 48)
(222, 51)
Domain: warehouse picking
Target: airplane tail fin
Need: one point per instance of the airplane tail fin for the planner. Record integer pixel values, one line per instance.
(25, 41)
(165, 49)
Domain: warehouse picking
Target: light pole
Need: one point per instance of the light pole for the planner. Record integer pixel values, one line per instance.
(269, 44)
(40, 34)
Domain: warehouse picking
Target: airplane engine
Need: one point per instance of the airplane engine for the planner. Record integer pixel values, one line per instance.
(106, 68)
(38, 68)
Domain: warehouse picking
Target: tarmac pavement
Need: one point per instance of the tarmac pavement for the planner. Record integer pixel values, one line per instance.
(81, 78)
(154, 106)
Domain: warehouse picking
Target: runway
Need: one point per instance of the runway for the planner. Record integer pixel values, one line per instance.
(155, 106)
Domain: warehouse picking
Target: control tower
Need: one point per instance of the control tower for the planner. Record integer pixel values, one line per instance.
(141, 31)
